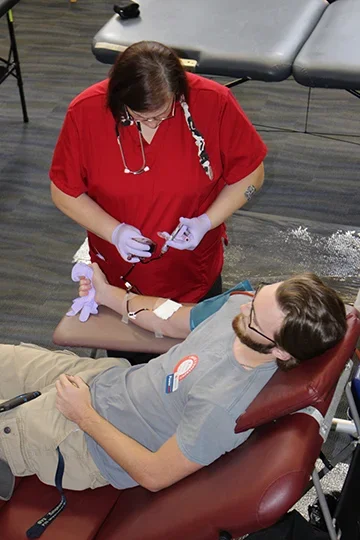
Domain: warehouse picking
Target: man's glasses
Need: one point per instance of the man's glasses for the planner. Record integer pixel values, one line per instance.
(252, 314)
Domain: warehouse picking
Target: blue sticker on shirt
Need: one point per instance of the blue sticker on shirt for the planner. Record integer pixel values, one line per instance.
(172, 383)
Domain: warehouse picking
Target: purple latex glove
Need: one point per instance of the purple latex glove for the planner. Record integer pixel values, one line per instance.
(86, 305)
(196, 229)
(130, 243)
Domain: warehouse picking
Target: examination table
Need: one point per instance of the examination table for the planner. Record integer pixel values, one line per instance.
(249, 39)
(246, 490)
(330, 58)
(315, 41)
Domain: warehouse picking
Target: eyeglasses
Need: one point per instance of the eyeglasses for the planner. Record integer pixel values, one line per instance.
(252, 314)
(158, 118)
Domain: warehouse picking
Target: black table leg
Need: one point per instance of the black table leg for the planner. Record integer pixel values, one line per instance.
(13, 49)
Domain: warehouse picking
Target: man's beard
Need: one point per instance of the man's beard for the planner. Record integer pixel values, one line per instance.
(246, 340)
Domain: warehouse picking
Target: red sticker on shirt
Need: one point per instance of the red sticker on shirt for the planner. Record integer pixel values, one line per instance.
(185, 366)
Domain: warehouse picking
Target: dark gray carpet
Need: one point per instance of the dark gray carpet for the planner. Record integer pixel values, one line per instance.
(311, 190)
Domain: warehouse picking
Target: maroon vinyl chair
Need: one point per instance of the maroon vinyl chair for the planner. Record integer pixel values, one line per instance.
(245, 490)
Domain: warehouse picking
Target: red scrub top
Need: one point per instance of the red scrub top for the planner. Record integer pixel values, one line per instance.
(87, 160)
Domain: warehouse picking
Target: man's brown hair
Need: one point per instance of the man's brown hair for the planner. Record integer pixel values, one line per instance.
(315, 318)
(143, 76)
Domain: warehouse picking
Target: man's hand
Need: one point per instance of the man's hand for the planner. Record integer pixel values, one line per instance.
(73, 398)
(98, 282)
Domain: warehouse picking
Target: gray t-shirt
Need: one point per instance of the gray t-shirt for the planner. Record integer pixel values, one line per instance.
(196, 390)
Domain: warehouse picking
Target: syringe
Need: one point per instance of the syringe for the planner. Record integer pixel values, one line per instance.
(180, 229)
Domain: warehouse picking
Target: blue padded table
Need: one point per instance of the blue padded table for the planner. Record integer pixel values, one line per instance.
(330, 57)
(249, 39)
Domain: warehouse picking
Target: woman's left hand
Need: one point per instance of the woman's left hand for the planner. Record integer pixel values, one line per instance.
(196, 229)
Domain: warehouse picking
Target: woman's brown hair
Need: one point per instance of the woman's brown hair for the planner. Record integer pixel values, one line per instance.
(142, 78)
(315, 318)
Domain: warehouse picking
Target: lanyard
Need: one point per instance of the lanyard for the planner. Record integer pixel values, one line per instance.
(39, 527)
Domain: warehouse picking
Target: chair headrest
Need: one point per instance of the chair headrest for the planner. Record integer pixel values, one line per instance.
(307, 384)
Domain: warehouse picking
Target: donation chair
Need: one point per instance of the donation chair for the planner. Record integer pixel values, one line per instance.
(11, 64)
(248, 39)
(244, 491)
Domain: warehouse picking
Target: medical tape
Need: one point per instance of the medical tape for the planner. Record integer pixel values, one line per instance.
(163, 309)
(127, 297)
(157, 323)
(132, 315)
(167, 309)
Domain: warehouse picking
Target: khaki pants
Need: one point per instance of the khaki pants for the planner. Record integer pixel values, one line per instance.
(30, 433)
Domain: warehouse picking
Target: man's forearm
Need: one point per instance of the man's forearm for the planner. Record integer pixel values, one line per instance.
(139, 462)
(85, 212)
(234, 196)
(177, 326)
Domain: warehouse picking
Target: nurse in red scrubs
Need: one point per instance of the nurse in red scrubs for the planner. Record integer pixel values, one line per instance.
(148, 148)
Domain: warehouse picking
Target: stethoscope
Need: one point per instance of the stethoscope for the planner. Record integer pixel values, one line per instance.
(196, 135)
(144, 167)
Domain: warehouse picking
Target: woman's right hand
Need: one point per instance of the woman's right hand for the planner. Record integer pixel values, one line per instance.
(129, 243)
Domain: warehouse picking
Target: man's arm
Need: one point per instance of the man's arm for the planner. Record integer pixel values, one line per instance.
(176, 326)
(152, 470)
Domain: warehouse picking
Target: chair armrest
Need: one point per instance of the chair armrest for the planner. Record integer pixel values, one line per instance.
(107, 331)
